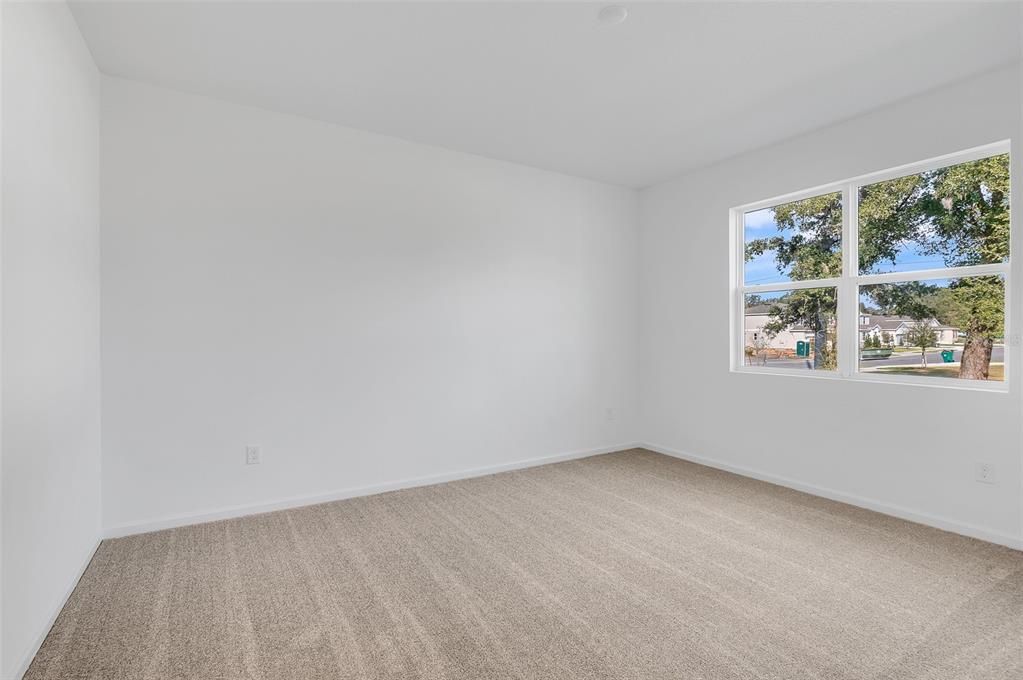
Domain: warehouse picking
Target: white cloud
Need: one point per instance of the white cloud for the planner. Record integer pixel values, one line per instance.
(759, 220)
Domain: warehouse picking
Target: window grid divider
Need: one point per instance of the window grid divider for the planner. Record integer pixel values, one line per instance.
(848, 309)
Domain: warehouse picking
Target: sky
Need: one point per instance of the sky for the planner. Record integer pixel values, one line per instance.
(762, 269)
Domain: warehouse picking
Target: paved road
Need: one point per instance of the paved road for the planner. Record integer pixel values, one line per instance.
(997, 357)
(911, 359)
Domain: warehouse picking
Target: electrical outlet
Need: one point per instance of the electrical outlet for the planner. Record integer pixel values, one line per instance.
(985, 473)
(1015, 340)
(253, 455)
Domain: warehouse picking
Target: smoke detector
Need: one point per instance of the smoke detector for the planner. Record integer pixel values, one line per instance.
(613, 14)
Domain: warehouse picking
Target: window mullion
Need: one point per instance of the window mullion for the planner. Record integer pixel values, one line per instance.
(739, 296)
(800, 284)
(848, 309)
(997, 269)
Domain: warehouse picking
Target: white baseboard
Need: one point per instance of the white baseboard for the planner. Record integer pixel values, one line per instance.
(26, 660)
(341, 494)
(851, 499)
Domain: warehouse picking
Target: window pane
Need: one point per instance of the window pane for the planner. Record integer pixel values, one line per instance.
(948, 328)
(792, 329)
(795, 241)
(951, 217)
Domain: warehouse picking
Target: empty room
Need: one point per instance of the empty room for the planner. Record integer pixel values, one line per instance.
(511, 340)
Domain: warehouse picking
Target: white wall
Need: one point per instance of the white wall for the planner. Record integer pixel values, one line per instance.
(365, 309)
(907, 449)
(50, 342)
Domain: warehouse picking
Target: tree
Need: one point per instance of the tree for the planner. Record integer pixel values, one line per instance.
(980, 313)
(912, 299)
(815, 309)
(753, 300)
(757, 351)
(921, 334)
(867, 309)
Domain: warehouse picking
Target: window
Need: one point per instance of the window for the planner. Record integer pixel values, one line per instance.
(901, 275)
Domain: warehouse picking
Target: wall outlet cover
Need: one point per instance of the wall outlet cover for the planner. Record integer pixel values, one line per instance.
(985, 473)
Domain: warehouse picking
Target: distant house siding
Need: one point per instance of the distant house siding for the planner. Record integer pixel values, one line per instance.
(785, 340)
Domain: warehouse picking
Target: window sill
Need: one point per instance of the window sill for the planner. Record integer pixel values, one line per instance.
(992, 386)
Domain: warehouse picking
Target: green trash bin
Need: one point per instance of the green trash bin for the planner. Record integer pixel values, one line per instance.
(947, 355)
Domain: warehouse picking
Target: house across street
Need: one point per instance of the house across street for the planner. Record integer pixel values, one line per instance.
(894, 330)
(889, 330)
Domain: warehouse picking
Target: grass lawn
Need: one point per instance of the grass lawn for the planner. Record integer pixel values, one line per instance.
(997, 371)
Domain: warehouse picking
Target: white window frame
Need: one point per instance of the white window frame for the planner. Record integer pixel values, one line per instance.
(849, 282)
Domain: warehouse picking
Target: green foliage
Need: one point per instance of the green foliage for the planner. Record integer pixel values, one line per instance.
(946, 307)
(890, 214)
(977, 306)
(814, 250)
(814, 308)
(912, 299)
(968, 208)
(922, 335)
(960, 213)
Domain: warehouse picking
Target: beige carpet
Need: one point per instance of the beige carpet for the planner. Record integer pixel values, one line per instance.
(629, 565)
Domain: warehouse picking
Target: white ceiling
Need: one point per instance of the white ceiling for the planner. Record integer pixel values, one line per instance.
(677, 86)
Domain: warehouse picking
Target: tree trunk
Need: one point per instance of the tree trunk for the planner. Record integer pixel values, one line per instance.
(820, 340)
(976, 358)
(923, 357)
